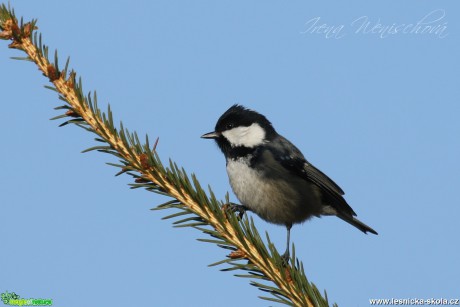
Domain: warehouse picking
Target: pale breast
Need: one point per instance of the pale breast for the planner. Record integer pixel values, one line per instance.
(246, 183)
(274, 199)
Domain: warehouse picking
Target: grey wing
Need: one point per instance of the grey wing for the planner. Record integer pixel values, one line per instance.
(321, 179)
(292, 159)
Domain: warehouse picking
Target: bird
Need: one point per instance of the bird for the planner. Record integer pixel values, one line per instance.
(271, 177)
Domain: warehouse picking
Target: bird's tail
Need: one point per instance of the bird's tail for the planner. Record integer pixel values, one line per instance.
(357, 223)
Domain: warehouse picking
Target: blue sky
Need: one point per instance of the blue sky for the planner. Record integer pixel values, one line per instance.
(377, 114)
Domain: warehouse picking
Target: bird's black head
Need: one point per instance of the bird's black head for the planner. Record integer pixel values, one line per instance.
(241, 129)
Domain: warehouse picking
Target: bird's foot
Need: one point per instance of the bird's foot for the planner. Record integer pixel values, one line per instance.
(235, 208)
(286, 257)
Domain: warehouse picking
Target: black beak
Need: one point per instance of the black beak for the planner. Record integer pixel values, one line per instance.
(211, 135)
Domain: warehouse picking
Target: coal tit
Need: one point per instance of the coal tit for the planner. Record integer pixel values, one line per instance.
(272, 178)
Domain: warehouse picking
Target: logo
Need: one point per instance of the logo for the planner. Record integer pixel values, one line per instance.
(12, 299)
(432, 24)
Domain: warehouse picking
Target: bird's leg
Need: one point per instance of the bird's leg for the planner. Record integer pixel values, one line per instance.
(286, 254)
(241, 209)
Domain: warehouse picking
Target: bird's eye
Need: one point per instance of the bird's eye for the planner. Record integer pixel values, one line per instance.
(229, 126)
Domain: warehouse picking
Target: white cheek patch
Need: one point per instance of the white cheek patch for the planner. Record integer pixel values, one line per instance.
(250, 136)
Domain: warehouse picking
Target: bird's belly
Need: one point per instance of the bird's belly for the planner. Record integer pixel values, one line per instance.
(276, 199)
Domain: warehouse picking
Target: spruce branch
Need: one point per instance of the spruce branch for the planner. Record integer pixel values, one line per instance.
(259, 262)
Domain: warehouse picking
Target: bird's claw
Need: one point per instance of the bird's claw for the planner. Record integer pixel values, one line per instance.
(285, 257)
(235, 208)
